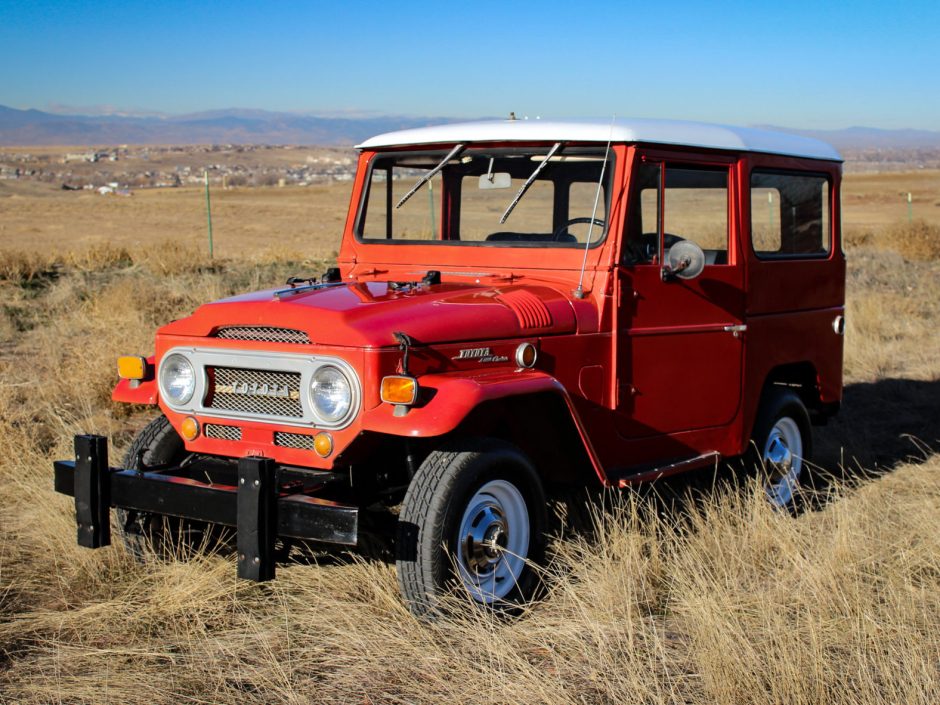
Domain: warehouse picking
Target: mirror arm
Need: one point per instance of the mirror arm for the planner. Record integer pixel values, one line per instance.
(669, 274)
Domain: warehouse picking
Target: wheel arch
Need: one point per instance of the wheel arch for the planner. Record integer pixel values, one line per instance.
(530, 409)
(542, 426)
(803, 378)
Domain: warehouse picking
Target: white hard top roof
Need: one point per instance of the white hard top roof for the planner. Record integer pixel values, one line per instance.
(676, 132)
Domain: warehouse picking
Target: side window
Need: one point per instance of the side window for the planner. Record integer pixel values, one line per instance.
(696, 209)
(789, 214)
(694, 206)
(641, 244)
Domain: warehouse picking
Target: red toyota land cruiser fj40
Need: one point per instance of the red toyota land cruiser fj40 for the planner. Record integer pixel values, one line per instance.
(518, 306)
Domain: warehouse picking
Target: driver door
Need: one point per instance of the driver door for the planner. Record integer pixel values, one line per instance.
(680, 341)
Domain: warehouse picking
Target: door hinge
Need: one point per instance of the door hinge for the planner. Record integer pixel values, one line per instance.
(736, 329)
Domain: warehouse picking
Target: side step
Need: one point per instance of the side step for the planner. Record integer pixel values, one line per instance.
(655, 473)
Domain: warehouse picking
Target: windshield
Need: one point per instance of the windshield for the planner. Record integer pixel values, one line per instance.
(459, 197)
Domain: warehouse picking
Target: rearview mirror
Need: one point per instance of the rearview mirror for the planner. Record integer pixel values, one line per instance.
(684, 260)
(499, 179)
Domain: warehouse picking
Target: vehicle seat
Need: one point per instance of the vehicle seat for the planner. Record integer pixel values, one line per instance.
(716, 256)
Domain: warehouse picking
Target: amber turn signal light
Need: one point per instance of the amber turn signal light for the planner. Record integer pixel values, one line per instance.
(132, 367)
(398, 389)
(526, 355)
(189, 429)
(323, 444)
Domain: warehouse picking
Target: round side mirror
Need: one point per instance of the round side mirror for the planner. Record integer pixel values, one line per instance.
(685, 260)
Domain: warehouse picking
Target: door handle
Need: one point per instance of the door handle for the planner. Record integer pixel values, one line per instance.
(736, 329)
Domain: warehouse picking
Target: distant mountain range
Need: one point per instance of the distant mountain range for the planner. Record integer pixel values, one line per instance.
(235, 126)
(241, 126)
(869, 138)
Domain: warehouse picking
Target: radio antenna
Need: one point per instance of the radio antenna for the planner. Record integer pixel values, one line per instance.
(579, 292)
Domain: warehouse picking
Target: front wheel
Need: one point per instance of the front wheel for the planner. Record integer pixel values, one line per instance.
(145, 534)
(783, 439)
(473, 519)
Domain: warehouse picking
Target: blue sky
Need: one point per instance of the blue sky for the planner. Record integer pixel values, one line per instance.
(799, 64)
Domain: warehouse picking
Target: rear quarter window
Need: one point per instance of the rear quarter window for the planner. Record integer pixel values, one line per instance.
(790, 215)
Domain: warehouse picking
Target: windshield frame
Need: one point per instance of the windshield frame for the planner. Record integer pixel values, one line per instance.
(432, 152)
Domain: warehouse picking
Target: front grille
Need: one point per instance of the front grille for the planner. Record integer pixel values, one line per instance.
(293, 440)
(260, 392)
(225, 433)
(264, 334)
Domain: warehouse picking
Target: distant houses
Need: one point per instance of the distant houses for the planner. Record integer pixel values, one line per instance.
(92, 157)
(141, 167)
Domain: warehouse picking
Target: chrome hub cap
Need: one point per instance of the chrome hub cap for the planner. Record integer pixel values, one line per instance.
(493, 541)
(783, 461)
(484, 540)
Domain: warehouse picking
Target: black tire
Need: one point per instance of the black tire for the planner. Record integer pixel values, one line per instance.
(147, 534)
(434, 560)
(783, 418)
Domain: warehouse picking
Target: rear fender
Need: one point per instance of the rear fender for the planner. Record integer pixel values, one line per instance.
(446, 400)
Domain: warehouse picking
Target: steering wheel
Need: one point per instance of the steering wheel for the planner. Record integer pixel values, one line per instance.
(646, 247)
(563, 228)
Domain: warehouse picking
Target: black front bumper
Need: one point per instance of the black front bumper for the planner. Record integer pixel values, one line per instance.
(261, 507)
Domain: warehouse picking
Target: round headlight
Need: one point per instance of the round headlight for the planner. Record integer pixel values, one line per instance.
(332, 394)
(177, 379)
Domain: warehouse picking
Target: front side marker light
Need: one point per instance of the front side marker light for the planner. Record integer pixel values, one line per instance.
(323, 444)
(132, 367)
(189, 429)
(526, 355)
(399, 389)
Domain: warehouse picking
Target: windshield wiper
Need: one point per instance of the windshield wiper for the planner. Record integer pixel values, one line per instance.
(430, 175)
(525, 186)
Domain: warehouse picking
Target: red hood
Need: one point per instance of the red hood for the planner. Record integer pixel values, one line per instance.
(366, 314)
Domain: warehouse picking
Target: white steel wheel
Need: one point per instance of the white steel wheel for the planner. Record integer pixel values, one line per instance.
(782, 445)
(493, 541)
(783, 461)
(472, 523)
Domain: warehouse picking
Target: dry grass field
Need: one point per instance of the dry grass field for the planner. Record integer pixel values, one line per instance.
(265, 222)
(716, 600)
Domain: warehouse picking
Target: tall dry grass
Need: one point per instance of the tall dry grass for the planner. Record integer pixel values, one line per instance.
(719, 599)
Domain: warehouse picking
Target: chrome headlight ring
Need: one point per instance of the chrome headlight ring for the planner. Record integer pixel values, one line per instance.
(177, 379)
(331, 394)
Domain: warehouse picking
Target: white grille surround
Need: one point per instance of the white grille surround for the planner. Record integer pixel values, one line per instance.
(287, 398)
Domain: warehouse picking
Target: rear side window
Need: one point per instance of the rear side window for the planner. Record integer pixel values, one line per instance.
(789, 214)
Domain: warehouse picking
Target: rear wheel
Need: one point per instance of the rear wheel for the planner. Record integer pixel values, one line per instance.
(473, 521)
(783, 443)
(144, 533)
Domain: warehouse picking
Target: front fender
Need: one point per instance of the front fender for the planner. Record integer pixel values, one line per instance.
(135, 391)
(144, 393)
(450, 398)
